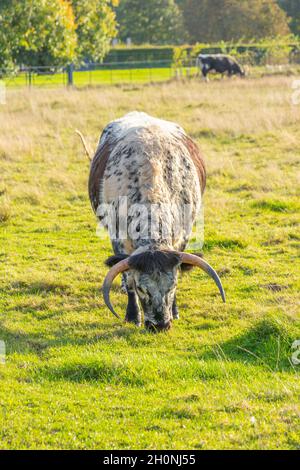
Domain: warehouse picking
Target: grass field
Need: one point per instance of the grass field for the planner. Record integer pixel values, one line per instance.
(129, 76)
(222, 378)
(96, 77)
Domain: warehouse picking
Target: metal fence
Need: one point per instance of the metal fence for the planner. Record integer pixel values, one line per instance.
(108, 73)
(35, 76)
(95, 74)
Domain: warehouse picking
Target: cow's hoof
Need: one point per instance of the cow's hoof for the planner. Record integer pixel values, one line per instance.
(135, 322)
(163, 326)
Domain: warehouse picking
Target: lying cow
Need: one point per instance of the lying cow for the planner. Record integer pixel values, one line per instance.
(219, 63)
(153, 164)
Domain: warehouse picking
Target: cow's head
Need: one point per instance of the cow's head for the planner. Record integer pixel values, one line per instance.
(155, 278)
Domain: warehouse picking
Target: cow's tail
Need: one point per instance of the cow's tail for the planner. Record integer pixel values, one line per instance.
(87, 151)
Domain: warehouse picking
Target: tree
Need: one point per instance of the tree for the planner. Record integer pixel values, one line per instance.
(6, 38)
(95, 26)
(215, 20)
(36, 32)
(292, 8)
(153, 22)
(50, 32)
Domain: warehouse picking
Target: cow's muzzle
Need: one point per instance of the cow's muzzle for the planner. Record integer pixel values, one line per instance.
(158, 327)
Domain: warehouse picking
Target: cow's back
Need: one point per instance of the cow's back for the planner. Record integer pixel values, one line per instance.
(147, 160)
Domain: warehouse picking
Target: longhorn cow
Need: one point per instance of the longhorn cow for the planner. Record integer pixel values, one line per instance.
(158, 170)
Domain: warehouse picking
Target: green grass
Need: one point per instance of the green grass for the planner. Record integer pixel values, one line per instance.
(96, 77)
(121, 76)
(222, 378)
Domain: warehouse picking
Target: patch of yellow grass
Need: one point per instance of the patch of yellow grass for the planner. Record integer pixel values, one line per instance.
(38, 127)
(234, 107)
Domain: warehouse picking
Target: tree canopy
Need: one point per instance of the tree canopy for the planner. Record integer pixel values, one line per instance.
(95, 27)
(36, 32)
(49, 32)
(292, 8)
(227, 20)
(153, 22)
(177, 21)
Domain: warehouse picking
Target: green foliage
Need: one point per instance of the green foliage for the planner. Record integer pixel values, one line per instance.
(141, 54)
(226, 20)
(35, 32)
(266, 51)
(95, 27)
(292, 8)
(262, 52)
(153, 22)
(50, 32)
(7, 39)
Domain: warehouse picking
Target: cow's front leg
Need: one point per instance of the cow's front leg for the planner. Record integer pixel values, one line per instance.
(175, 312)
(133, 313)
(205, 73)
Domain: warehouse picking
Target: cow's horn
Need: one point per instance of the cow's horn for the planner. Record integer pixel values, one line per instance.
(196, 261)
(112, 273)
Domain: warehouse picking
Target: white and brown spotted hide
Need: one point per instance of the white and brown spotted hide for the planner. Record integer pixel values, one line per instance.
(152, 162)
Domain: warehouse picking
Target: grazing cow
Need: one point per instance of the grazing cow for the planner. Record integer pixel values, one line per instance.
(218, 63)
(158, 169)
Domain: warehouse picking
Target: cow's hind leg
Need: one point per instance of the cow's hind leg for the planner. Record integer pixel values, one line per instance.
(133, 313)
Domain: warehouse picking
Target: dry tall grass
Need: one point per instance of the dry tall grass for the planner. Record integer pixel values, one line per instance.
(39, 126)
(229, 107)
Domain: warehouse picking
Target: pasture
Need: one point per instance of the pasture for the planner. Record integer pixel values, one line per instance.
(124, 76)
(222, 378)
(104, 76)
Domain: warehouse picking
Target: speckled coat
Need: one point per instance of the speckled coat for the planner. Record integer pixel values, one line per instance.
(154, 163)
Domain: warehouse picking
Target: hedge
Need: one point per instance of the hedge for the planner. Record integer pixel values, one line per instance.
(270, 51)
(141, 54)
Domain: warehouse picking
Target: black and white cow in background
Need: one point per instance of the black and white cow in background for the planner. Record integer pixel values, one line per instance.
(218, 63)
(153, 163)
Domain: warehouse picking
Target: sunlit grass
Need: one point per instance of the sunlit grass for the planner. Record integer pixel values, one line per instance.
(94, 77)
(110, 76)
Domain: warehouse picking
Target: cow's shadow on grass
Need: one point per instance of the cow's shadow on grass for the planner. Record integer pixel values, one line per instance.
(80, 366)
(37, 287)
(267, 344)
(73, 333)
(21, 342)
(52, 343)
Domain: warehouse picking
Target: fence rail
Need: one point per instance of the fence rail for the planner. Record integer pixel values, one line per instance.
(95, 73)
(107, 73)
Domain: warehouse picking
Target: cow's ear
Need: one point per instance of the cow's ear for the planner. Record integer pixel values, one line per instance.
(112, 260)
(188, 267)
